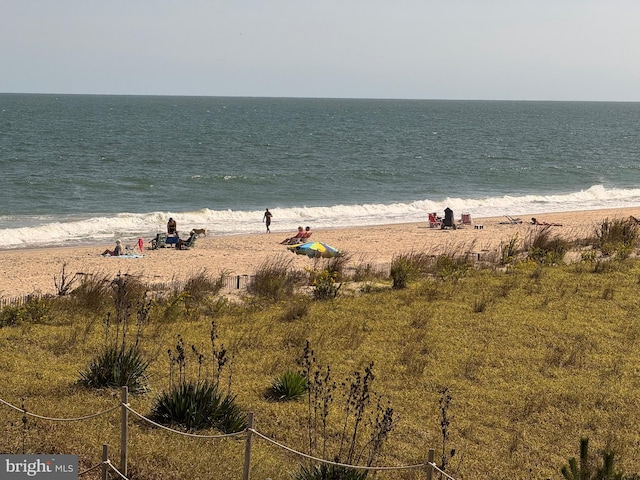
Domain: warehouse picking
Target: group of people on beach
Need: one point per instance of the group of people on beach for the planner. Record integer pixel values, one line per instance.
(300, 237)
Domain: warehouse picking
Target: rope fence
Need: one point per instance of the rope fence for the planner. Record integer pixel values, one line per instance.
(429, 466)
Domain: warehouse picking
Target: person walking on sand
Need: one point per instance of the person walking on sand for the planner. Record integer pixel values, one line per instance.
(267, 219)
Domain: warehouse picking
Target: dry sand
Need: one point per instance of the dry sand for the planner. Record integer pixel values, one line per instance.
(29, 271)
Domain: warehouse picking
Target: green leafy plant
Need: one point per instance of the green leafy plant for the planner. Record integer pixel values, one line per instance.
(451, 268)
(197, 405)
(325, 284)
(289, 386)
(509, 250)
(617, 237)
(583, 469)
(33, 309)
(117, 367)
(544, 247)
(121, 362)
(402, 271)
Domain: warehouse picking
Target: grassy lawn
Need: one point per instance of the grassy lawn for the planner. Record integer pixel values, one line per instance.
(520, 362)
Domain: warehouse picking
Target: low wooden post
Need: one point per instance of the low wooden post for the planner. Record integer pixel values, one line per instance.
(430, 458)
(124, 426)
(105, 457)
(238, 282)
(247, 448)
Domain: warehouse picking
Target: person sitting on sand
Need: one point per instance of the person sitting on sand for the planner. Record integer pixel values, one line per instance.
(534, 221)
(116, 252)
(182, 244)
(306, 234)
(297, 238)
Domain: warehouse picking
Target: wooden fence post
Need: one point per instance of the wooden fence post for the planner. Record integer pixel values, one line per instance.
(247, 448)
(430, 458)
(124, 425)
(105, 457)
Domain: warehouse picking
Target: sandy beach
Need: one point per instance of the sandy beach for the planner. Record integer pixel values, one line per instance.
(28, 271)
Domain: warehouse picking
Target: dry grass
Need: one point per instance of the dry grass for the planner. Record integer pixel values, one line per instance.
(534, 358)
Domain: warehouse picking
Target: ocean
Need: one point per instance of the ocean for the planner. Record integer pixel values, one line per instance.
(86, 169)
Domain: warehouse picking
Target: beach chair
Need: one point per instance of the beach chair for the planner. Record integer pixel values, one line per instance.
(465, 219)
(434, 221)
(511, 221)
(159, 242)
(188, 243)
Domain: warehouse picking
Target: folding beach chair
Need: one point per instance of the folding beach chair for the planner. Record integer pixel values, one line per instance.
(434, 221)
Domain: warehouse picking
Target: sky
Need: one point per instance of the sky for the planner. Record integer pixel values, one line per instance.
(577, 50)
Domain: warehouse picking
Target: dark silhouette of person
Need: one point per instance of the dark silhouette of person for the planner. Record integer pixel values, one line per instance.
(172, 227)
(267, 219)
(448, 221)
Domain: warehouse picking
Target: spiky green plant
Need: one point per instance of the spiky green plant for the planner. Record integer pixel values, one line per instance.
(117, 367)
(289, 386)
(584, 470)
(198, 405)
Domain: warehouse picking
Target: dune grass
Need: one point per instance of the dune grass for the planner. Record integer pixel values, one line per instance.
(532, 357)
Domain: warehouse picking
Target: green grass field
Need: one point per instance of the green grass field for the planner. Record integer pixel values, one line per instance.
(532, 357)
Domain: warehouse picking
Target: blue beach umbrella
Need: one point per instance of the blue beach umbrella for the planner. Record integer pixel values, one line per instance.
(314, 250)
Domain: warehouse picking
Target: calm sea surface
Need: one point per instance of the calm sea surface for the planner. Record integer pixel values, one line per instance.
(82, 169)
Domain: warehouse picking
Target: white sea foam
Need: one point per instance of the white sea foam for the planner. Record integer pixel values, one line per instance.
(130, 226)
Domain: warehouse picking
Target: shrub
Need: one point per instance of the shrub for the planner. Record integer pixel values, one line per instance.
(584, 470)
(545, 248)
(401, 272)
(295, 310)
(32, 310)
(509, 250)
(93, 292)
(121, 362)
(448, 267)
(117, 366)
(202, 285)
(198, 405)
(273, 279)
(288, 386)
(325, 284)
(617, 237)
(409, 266)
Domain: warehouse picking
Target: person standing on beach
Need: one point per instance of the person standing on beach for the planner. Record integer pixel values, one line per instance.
(172, 227)
(267, 219)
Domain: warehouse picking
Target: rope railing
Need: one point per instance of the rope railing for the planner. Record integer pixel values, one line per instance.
(186, 434)
(90, 469)
(113, 467)
(329, 462)
(246, 432)
(73, 419)
(435, 467)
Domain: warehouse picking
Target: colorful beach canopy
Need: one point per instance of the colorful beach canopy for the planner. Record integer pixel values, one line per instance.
(314, 250)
